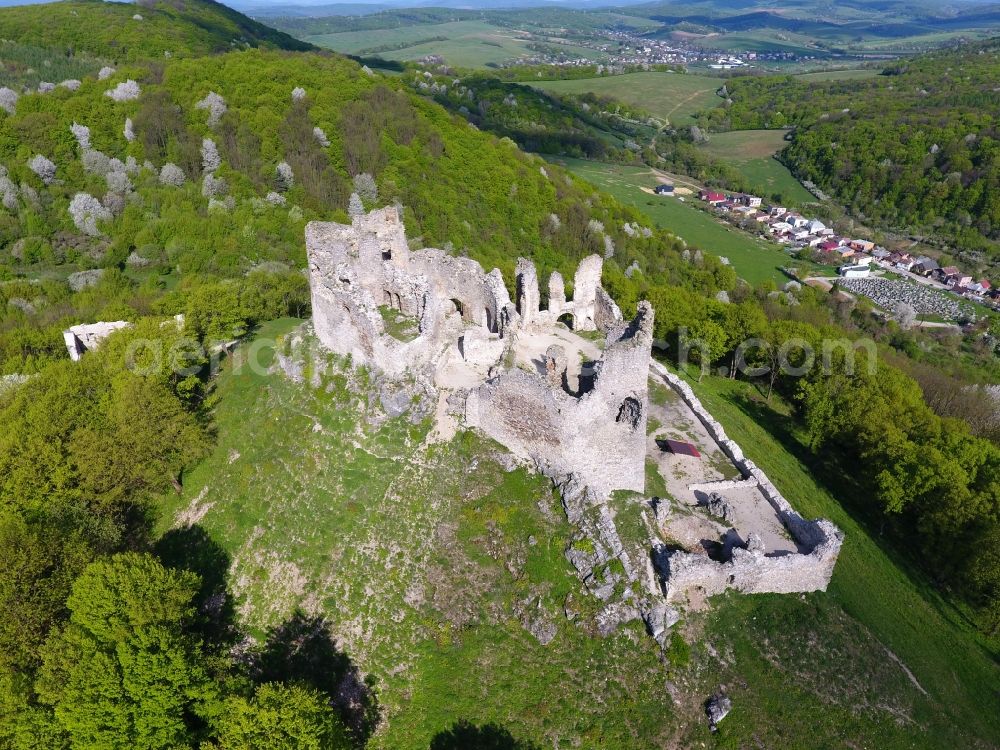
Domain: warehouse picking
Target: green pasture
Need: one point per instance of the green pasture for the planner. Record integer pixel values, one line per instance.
(676, 97)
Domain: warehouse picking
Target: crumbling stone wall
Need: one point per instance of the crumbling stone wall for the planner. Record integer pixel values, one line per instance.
(84, 338)
(750, 569)
(591, 308)
(354, 268)
(598, 436)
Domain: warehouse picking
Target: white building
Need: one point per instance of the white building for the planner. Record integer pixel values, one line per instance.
(859, 271)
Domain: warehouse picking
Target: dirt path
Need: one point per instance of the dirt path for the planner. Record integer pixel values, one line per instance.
(685, 100)
(694, 186)
(905, 669)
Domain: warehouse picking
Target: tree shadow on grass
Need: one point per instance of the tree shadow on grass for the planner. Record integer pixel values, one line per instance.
(464, 735)
(192, 548)
(303, 649)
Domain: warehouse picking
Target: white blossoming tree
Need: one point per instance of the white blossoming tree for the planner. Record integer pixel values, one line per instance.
(171, 175)
(212, 186)
(86, 211)
(96, 162)
(285, 177)
(364, 186)
(125, 91)
(44, 168)
(216, 107)
(82, 135)
(210, 159)
(8, 100)
(118, 182)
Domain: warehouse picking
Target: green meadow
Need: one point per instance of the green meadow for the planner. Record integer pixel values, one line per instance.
(425, 571)
(752, 152)
(754, 259)
(464, 44)
(676, 97)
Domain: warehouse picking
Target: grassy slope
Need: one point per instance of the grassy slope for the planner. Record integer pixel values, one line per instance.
(751, 152)
(418, 563)
(753, 259)
(674, 96)
(422, 569)
(872, 586)
(183, 29)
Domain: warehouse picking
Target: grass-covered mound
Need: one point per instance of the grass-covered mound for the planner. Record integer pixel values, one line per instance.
(431, 562)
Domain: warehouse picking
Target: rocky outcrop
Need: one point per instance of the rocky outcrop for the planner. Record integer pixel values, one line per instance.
(717, 708)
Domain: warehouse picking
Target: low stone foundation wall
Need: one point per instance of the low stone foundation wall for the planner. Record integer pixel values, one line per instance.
(750, 569)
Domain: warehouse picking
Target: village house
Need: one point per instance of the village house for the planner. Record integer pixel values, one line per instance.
(952, 276)
(925, 266)
(751, 201)
(863, 246)
(983, 286)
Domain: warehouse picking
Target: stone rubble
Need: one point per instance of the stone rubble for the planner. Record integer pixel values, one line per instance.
(717, 708)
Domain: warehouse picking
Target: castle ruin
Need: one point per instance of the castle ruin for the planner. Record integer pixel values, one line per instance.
(578, 412)
(566, 409)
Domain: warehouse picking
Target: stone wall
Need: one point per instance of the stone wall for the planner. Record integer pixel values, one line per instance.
(591, 308)
(84, 338)
(355, 268)
(750, 570)
(598, 436)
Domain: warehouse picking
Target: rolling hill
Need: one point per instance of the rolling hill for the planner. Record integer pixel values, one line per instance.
(126, 32)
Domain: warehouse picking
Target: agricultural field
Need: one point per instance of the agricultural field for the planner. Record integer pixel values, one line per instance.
(753, 259)
(465, 44)
(676, 97)
(757, 41)
(752, 153)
